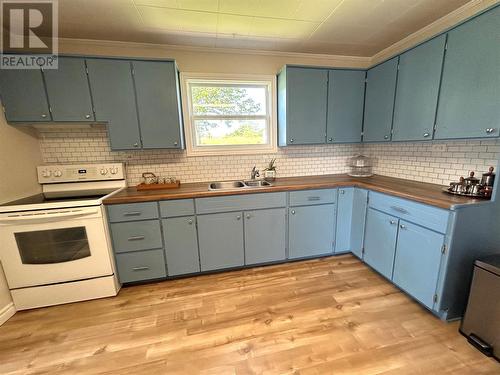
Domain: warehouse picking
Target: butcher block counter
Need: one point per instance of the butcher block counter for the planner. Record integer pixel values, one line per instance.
(430, 194)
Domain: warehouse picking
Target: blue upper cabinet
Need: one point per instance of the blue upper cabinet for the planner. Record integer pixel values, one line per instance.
(23, 96)
(158, 104)
(114, 100)
(469, 99)
(417, 91)
(346, 92)
(302, 105)
(68, 90)
(379, 101)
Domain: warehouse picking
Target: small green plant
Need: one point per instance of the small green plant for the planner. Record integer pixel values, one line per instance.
(271, 166)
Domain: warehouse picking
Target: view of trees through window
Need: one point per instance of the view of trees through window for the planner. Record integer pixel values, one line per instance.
(229, 114)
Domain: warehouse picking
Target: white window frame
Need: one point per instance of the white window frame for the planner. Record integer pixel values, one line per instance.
(192, 149)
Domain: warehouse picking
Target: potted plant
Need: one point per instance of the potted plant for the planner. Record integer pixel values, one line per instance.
(270, 171)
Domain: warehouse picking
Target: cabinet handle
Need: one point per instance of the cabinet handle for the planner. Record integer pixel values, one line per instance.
(291, 140)
(132, 213)
(136, 238)
(87, 116)
(392, 222)
(44, 115)
(399, 209)
(293, 212)
(238, 217)
(313, 198)
(386, 137)
(426, 135)
(330, 139)
(190, 222)
(248, 216)
(144, 268)
(176, 143)
(490, 130)
(402, 226)
(136, 144)
(342, 191)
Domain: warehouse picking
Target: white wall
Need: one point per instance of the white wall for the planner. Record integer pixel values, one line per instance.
(19, 155)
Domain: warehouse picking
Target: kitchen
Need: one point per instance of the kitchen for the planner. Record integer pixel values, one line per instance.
(191, 258)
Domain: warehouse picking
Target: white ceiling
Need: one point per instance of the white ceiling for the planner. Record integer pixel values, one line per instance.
(337, 27)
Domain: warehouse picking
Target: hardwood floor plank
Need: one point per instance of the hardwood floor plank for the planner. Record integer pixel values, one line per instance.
(324, 316)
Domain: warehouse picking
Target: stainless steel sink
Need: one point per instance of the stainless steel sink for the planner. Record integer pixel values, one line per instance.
(257, 183)
(237, 185)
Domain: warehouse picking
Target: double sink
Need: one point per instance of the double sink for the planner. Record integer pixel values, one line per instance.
(237, 185)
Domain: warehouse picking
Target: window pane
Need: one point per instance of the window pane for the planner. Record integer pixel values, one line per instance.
(230, 132)
(223, 100)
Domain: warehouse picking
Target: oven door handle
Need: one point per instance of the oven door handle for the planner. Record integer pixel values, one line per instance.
(48, 215)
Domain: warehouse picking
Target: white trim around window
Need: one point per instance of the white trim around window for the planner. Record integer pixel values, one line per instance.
(193, 79)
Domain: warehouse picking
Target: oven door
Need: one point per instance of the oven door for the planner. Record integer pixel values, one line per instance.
(54, 246)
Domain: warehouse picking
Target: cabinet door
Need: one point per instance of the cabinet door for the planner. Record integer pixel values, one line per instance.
(265, 235)
(417, 262)
(158, 104)
(311, 230)
(360, 201)
(181, 245)
(68, 90)
(28, 104)
(114, 101)
(379, 101)
(468, 102)
(221, 240)
(306, 110)
(346, 93)
(417, 91)
(380, 241)
(344, 220)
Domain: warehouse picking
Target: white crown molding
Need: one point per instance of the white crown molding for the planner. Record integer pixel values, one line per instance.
(7, 312)
(68, 43)
(442, 24)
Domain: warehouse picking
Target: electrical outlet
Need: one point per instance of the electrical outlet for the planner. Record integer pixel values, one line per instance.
(438, 147)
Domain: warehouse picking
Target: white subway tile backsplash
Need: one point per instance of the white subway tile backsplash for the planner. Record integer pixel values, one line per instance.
(417, 161)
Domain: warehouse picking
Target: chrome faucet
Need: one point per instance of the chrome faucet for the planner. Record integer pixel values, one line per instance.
(255, 173)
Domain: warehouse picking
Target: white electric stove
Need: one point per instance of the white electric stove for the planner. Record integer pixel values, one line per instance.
(55, 245)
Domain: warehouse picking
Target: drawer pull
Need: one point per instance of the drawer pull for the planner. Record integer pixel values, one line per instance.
(136, 238)
(140, 268)
(399, 209)
(402, 226)
(133, 213)
(313, 198)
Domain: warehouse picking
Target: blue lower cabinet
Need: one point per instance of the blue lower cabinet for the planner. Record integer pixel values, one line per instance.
(344, 220)
(141, 266)
(311, 230)
(265, 236)
(380, 241)
(360, 201)
(221, 240)
(181, 245)
(418, 261)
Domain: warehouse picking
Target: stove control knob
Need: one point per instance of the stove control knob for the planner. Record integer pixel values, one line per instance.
(104, 171)
(46, 173)
(57, 173)
(114, 170)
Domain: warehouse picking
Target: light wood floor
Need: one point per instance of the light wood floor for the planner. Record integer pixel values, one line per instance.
(328, 316)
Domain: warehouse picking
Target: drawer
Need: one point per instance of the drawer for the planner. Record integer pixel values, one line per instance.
(141, 266)
(240, 202)
(132, 211)
(177, 207)
(311, 197)
(427, 216)
(136, 235)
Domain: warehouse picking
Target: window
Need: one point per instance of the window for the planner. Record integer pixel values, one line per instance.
(229, 114)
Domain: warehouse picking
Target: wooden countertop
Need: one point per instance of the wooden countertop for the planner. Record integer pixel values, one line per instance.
(417, 191)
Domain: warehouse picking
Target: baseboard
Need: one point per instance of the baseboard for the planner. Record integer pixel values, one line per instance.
(7, 312)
